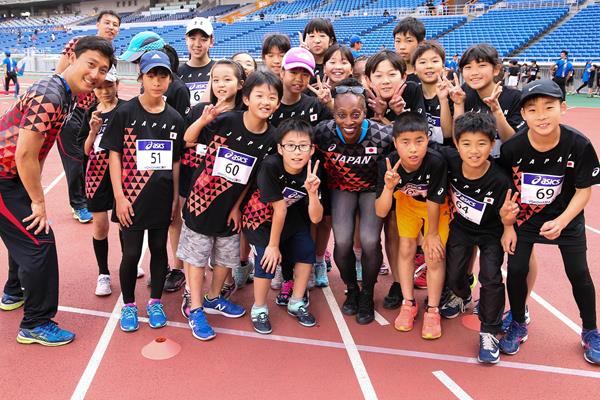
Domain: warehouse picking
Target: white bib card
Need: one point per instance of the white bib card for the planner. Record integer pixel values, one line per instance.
(232, 165)
(291, 196)
(154, 154)
(97, 148)
(201, 149)
(197, 89)
(470, 209)
(538, 189)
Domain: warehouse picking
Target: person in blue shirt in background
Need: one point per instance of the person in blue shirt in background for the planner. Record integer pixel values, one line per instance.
(586, 76)
(563, 70)
(452, 67)
(355, 45)
(10, 73)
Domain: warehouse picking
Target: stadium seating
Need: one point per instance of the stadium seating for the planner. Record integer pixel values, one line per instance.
(506, 29)
(288, 8)
(577, 36)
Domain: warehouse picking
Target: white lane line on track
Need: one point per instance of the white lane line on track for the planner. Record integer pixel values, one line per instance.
(369, 349)
(54, 182)
(94, 363)
(380, 319)
(451, 385)
(360, 370)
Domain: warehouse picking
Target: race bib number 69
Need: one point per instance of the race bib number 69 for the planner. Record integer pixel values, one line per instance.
(540, 189)
(154, 154)
(233, 165)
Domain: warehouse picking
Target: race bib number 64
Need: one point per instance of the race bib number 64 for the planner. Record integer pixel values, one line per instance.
(233, 165)
(540, 189)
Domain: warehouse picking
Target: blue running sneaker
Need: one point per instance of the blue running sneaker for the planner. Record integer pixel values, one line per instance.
(82, 215)
(453, 306)
(224, 307)
(489, 352)
(200, 327)
(156, 315)
(321, 279)
(129, 319)
(590, 340)
(10, 302)
(517, 334)
(48, 334)
(507, 320)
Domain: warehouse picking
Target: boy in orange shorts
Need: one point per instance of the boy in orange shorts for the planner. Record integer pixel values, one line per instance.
(416, 177)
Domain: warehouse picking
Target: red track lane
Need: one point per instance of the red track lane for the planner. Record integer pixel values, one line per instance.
(247, 367)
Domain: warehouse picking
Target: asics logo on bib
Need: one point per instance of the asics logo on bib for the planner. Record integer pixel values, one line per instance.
(466, 200)
(152, 145)
(234, 157)
(543, 180)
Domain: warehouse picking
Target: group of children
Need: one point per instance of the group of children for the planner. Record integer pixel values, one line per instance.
(317, 142)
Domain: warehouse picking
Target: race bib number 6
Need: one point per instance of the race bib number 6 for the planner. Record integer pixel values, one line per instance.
(540, 189)
(232, 165)
(470, 209)
(154, 154)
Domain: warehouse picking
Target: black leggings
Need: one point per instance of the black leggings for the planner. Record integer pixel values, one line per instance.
(575, 262)
(583, 84)
(132, 251)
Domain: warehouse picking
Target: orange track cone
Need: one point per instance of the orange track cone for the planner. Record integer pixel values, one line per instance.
(161, 348)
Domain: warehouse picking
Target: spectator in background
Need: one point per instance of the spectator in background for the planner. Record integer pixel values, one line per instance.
(355, 45)
(430, 7)
(53, 37)
(512, 74)
(586, 76)
(533, 71)
(562, 70)
(452, 67)
(386, 13)
(10, 73)
(524, 71)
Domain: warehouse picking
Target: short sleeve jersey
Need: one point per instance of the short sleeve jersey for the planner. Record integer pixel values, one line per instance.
(42, 109)
(434, 121)
(563, 68)
(533, 72)
(84, 100)
(509, 100)
(178, 96)
(546, 181)
(426, 183)
(273, 184)
(233, 156)
(475, 203)
(353, 167)
(413, 96)
(97, 178)
(309, 109)
(149, 144)
(10, 64)
(196, 79)
(191, 156)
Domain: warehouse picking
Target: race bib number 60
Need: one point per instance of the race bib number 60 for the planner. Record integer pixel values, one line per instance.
(540, 189)
(232, 165)
(154, 154)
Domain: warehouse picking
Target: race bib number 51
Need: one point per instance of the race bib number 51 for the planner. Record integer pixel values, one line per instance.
(232, 165)
(154, 154)
(540, 189)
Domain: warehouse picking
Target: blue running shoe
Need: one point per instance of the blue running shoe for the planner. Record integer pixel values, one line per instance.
(453, 306)
(590, 340)
(48, 334)
(10, 302)
(82, 215)
(200, 327)
(221, 306)
(321, 279)
(489, 352)
(156, 315)
(507, 320)
(129, 319)
(517, 334)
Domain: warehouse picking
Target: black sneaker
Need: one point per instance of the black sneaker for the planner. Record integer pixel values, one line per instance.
(174, 281)
(261, 323)
(303, 316)
(350, 306)
(366, 308)
(393, 299)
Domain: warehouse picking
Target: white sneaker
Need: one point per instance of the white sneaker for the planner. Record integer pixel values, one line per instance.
(103, 285)
(140, 272)
(278, 279)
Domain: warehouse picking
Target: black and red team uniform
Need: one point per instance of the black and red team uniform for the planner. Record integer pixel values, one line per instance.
(546, 182)
(70, 142)
(351, 175)
(98, 187)
(149, 144)
(475, 221)
(196, 79)
(33, 263)
(272, 184)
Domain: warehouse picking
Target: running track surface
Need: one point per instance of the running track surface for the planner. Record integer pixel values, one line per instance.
(336, 359)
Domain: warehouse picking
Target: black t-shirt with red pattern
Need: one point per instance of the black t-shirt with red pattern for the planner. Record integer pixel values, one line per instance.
(233, 156)
(42, 109)
(547, 181)
(274, 183)
(353, 167)
(146, 142)
(84, 100)
(98, 188)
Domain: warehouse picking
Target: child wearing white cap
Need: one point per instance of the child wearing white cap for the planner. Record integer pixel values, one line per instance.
(196, 71)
